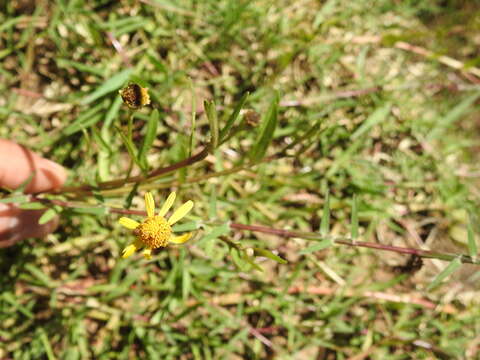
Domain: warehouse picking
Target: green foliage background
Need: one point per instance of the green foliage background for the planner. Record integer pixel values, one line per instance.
(396, 128)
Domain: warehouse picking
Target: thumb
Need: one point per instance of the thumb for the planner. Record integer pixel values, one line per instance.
(17, 164)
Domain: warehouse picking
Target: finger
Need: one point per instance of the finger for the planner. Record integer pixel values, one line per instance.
(17, 224)
(18, 163)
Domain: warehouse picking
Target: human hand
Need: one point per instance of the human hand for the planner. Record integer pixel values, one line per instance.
(16, 165)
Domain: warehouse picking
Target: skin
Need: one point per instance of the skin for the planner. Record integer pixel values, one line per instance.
(16, 165)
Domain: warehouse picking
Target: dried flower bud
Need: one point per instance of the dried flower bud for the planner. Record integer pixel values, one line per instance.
(135, 96)
(252, 118)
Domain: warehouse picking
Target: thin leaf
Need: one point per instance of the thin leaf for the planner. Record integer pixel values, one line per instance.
(186, 283)
(250, 260)
(41, 276)
(269, 254)
(450, 269)
(194, 120)
(212, 204)
(375, 118)
(325, 224)
(269, 123)
(216, 232)
(98, 211)
(149, 138)
(324, 244)
(12, 300)
(131, 148)
(187, 226)
(472, 244)
(46, 345)
(354, 219)
(233, 117)
(15, 199)
(84, 120)
(131, 194)
(456, 113)
(47, 216)
(24, 184)
(31, 206)
(112, 84)
(212, 116)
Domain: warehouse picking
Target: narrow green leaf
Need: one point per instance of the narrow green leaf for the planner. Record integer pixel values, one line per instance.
(112, 84)
(41, 276)
(149, 138)
(131, 148)
(456, 113)
(12, 300)
(193, 125)
(186, 226)
(186, 283)
(450, 269)
(375, 118)
(46, 345)
(47, 216)
(472, 244)
(24, 184)
(354, 219)
(130, 196)
(325, 224)
(233, 117)
(269, 254)
(217, 232)
(267, 129)
(111, 115)
(212, 204)
(324, 244)
(31, 206)
(15, 199)
(85, 120)
(98, 211)
(212, 116)
(249, 260)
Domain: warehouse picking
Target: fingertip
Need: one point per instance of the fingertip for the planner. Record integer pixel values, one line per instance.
(18, 163)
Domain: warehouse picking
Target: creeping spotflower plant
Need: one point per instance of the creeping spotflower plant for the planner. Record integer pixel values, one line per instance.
(155, 231)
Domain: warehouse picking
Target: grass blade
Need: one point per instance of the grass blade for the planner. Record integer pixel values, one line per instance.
(472, 244)
(268, 254)
(47, 216)
(112, 84)
(453, 115)
(450, 269)
(233, 117)
(377, 117)
(325, 224)
(324, 244)
(149, 138)
(212, 116)
(131, 148)
(269, 123)
(354, 219)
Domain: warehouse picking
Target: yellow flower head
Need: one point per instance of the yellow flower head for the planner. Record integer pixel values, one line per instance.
(155, 231)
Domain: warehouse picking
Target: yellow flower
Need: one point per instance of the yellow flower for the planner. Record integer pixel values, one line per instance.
(155, 231)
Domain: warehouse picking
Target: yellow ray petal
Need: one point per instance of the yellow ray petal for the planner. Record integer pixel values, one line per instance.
(180, 239)
(149, 204)
(128, 223)
(168, 204)
(147, 253)
(129, 250)
(180, 212)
